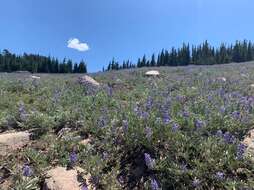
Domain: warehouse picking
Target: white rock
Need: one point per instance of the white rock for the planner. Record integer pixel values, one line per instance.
(87, 80)
(35, 77)
(13, 141)
(152, 73)
(252, 85)
(61, 179)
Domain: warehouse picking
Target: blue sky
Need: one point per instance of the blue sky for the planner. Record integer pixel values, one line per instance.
(124, 29)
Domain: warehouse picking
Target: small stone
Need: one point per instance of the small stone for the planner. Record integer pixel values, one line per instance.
(35, 77)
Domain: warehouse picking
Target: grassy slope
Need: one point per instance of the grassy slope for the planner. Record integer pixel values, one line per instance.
(131, 122)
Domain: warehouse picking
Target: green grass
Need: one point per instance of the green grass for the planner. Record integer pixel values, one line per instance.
(124, 126)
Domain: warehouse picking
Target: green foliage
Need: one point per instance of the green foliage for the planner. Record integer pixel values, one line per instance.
(38, 64)
(24, 183)
(203, 54)
(180, 119)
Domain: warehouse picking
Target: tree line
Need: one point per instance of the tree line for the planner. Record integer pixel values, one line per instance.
(203, 54)
(10, 62)
(114, 65)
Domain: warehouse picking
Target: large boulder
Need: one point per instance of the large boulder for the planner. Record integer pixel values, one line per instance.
(152, 73)
(61, 179)
(91, 85)
(12, 141)
(87, 80)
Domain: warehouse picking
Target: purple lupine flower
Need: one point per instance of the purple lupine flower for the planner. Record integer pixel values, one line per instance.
(84, 187)
(175, 127)
(166, 118)
(27, 171)
(199, 124)
(102, 122)
(186, 114)
(221, 92)
(229, 138)
(149, 103)
(235, 95)
(73, 157)
(222, 109)
(22, 111)
(219, 175)
(144, 115)
(210, 98)
(125, 126)
(154, 185)
(95, 180)
(180, 98)
(22, 107)
(219, 134)
(196, 182)
(150, 163)
(240, 151)
(120, 179)
(148, 132)
(236, 115)
(105, 155)
(167, 104)
(244, 100)
(110, 91)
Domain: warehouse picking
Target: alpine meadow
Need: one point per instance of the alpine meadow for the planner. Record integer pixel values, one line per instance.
(127, 95)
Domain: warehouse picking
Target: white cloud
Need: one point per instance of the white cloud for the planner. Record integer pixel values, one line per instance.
(74, 43)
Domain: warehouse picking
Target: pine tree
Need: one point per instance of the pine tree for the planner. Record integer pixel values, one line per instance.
(250, 52)
(82, 67)
(139, 63)
(153, 62)
(143, 62)
(69, 66)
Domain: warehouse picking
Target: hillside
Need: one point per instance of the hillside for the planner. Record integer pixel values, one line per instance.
(185, 129)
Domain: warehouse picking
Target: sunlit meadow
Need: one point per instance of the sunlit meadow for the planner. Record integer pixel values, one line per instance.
(181, 130)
